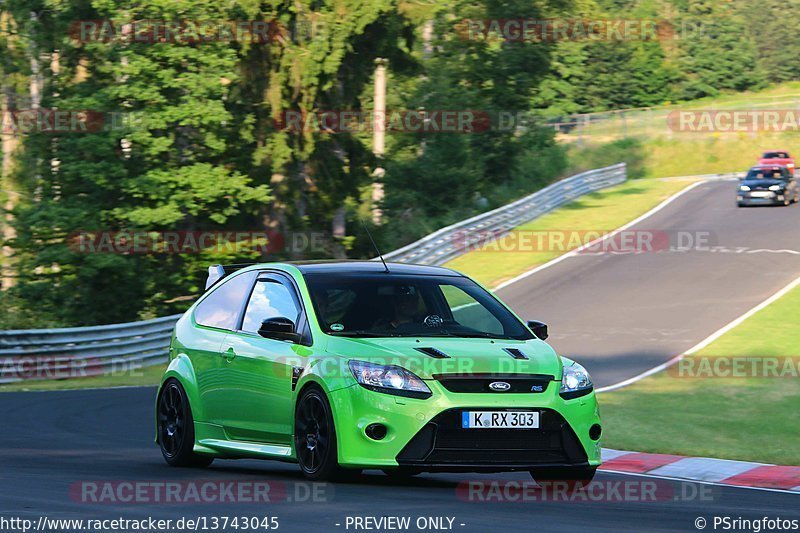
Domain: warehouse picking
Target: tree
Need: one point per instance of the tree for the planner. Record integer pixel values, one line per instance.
(439, 177)
(167, 170)
(716, 51)
(776, 40)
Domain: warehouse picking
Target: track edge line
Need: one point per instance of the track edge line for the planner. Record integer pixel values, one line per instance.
(705, 342)
(577, 250)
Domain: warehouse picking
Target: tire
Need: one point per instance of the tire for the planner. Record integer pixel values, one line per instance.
(176, 427)
(315, 438)
(741, 204)
(572, 475)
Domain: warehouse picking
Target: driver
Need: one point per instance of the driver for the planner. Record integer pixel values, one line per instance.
(406, 307)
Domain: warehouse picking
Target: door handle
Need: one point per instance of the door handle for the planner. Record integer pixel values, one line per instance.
(230, 354)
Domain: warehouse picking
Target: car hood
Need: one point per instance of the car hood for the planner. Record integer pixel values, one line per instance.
(466, 356)
(762, 183)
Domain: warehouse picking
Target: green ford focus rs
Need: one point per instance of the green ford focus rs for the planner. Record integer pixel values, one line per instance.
(344, 366)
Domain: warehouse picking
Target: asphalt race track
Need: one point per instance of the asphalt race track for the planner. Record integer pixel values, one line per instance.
(621, 314)
(53, 440)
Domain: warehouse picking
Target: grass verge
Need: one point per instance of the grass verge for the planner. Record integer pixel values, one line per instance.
(665, 151)
(691, 155)
(744, 418)
(601, 211)
(150, 375)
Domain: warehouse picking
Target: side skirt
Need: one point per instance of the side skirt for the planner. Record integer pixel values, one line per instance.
(240, 449)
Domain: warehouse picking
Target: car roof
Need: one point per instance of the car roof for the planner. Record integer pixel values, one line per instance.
(369, 267)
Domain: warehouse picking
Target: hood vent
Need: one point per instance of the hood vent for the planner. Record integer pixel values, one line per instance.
(433, 352)
(515, 353)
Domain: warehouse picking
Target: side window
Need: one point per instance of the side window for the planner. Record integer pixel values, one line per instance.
(221, 308)
(270, 299)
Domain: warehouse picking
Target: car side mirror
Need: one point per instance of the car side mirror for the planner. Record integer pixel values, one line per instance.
(279, 328)
(538, 328)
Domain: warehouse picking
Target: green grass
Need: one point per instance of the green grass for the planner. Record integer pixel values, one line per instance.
(601, 211)
(670, 153)
(755, 419)
(150, 375)
(652, 121)
(687, 155)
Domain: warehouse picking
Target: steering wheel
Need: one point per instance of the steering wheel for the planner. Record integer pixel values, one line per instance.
(433, 321)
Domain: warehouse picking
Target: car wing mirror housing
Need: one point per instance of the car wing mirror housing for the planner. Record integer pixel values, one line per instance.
(279, 328)
(538, 328)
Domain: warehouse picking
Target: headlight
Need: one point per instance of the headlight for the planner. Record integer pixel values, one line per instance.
(744, 188)
(775, 187)
(575, 380)
(389, 379)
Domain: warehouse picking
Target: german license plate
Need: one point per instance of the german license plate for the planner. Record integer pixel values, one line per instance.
(500, 419)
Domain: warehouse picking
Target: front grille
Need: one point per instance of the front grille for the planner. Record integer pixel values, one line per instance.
(443, 442)
(481, 383)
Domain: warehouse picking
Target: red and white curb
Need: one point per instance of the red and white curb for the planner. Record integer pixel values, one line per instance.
(719, 471)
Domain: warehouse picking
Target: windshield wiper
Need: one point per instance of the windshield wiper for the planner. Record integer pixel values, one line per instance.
(362, 333)
(481, 335)
(465, 335)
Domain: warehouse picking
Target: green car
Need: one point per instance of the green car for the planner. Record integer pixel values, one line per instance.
(344, 366)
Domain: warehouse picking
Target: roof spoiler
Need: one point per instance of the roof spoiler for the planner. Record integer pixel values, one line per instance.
(217, 272)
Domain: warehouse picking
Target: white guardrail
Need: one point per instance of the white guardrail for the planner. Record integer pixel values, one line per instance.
(40, 354)
(451, 241)
(37, 354)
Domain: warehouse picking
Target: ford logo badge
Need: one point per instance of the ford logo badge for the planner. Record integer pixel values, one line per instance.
(499, 386)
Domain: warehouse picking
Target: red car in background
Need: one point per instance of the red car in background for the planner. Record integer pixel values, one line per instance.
(777, 157)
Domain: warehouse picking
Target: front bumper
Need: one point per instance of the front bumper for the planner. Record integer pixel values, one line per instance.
(426, 435)
(769, 198)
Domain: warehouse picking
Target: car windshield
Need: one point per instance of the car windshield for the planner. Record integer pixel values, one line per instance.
(766, 173)
(389, 305)
(775, 155)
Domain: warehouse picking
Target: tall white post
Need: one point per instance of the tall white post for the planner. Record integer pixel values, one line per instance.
(378, 138)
